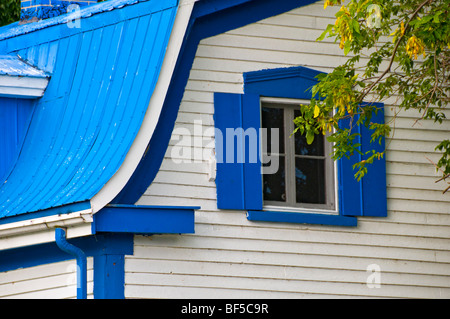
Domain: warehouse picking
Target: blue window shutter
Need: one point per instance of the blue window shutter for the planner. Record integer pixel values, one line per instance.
(374, 182)
(350, 190)
(230, 176)
(231, 112)
(252, 168)
(367, 197)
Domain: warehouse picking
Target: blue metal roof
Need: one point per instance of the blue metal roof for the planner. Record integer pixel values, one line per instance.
(102, 78)
(16, 29)
(14, 66)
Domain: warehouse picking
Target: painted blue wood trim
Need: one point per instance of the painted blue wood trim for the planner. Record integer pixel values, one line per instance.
(374, 192)
(206, 21)
(230, 170)
(369, 196)
(211, 6)
(292, 82)
(251, 120)
(109, 276)
(145, 220)
(301, 218)
(349, 189)
(229, 15)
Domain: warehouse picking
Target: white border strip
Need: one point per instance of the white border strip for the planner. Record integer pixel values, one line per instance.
(11, 234)
(22, 87)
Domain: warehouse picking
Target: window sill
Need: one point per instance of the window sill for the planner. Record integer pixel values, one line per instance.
(301, 218)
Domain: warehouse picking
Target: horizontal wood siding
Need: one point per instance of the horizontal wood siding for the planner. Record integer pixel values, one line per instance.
(51, 281)
(231, 257)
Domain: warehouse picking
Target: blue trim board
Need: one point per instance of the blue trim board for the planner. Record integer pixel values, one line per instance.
(109, 276)
(145, 219)
(292, 82)
(209, 18)
(301, 218)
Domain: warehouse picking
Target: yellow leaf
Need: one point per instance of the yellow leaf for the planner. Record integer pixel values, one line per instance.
(316, 111)
(415, 46)
(329, 3)
(393, 33)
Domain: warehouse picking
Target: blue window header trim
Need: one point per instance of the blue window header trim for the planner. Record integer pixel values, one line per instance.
(279, 73)
(292, 82)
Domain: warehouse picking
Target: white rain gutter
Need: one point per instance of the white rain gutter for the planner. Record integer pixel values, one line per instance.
(42, 230)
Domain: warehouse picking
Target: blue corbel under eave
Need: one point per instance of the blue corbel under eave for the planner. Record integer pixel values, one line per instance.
(146, 220)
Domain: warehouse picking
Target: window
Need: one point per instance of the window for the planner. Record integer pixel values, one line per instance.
(306, 186)
(306, 176)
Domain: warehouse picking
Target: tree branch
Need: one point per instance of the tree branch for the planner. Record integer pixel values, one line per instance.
(388, 69)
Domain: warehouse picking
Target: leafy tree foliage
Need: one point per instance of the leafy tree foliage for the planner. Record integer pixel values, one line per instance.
(9, 11)
(406, 48)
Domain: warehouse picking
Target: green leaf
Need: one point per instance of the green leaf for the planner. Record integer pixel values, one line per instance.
(324, 33)
(355, 25)
(347, 47)
(309, 137)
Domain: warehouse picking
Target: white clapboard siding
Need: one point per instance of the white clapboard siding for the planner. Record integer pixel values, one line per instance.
(231, 257)
(50, 281)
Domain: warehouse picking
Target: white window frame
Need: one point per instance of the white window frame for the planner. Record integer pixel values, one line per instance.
(331, 189)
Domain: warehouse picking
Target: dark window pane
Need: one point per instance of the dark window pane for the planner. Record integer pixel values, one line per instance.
(310, 180)
(274, 185)
(302, 148)
(273, 118)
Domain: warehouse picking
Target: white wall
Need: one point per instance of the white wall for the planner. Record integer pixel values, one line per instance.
(51, 281)
(229, 256)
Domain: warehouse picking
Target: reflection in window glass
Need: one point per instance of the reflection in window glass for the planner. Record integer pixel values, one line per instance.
(273, 118)
(302, 148)
(274, 185)
(309, 181)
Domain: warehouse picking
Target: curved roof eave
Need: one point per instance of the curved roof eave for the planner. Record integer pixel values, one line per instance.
(93, 124)
(141, 142)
